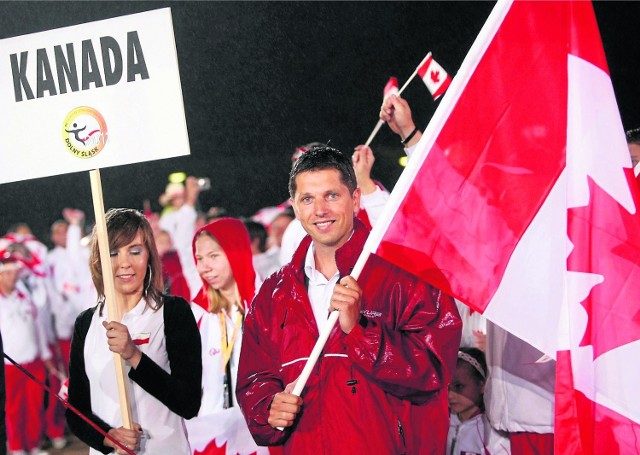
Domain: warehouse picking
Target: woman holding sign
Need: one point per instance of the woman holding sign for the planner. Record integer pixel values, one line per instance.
(163, 377)
(222, 252)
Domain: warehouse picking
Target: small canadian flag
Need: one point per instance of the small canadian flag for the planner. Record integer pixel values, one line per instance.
(434, 76)
(391, 88)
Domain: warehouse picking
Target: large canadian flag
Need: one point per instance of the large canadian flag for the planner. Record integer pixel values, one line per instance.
(520, 201)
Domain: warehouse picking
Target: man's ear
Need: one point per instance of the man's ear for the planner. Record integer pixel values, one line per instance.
(293, 206)
(356, 200)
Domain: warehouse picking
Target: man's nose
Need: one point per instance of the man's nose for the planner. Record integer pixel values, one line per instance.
(320, 206)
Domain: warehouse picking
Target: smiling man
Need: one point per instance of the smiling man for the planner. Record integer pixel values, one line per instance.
(380, 386)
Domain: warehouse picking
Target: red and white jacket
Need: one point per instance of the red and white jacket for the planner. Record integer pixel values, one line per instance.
(381, 389)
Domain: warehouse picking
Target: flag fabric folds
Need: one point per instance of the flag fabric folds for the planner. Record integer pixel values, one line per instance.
(520, 201)
(391, 88)
(434, 76)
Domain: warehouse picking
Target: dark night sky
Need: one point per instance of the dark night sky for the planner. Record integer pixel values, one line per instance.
(260, 78)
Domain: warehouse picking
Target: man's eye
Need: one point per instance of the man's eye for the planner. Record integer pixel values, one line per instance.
(332, 196)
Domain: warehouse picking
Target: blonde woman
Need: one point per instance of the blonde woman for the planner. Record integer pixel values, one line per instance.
(222, 252)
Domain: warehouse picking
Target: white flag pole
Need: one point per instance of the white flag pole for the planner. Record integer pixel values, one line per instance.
(113, 307)
(374, 132)
(381, 122)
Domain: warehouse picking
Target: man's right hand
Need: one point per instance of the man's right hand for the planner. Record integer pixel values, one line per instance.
(285, 407)
(397, 113)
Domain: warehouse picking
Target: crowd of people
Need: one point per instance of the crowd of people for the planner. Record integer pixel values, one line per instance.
(220, 314)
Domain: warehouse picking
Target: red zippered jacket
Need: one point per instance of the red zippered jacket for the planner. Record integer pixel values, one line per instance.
(381, 389)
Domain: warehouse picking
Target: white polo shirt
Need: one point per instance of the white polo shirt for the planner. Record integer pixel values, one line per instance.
(320, 289)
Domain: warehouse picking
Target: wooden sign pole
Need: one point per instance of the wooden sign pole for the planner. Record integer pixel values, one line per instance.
(114, 310)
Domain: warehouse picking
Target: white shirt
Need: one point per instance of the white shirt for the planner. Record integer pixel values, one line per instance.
(267, 263)
(22, 332)
(181, 225)
(320, 289)
(70, 286)
(214, 422)
(475, 436)
(164, 430)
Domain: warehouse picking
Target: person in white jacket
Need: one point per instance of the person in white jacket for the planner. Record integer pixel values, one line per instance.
(25, 342)
(222, 253)
(179, 220)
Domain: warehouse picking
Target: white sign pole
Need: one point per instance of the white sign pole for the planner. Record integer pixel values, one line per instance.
(114, 312)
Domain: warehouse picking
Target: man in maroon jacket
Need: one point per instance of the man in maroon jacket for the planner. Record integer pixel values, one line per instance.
(380, 386)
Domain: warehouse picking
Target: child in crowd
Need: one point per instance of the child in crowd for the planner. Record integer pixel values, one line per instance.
(469, 430)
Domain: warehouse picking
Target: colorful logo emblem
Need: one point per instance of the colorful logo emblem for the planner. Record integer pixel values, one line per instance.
(84, 132)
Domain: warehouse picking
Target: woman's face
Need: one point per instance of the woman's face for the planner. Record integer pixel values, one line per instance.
(129, 265)
(213, 264)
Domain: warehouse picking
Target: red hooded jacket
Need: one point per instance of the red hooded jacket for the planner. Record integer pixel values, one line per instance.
(381, 389)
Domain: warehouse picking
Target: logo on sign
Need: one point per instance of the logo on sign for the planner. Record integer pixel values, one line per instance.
(84, 132)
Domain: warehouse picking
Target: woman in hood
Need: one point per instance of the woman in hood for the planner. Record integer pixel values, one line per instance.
(222, 252)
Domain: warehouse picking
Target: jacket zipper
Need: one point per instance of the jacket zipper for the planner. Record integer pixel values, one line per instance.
(401, 434)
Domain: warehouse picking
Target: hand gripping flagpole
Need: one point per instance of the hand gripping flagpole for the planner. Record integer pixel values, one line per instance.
(326, 331)
(381, 122)
(113, 306)
(324, 335)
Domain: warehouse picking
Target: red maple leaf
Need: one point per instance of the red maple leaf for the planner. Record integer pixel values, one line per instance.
(606, 241)
(435, 76)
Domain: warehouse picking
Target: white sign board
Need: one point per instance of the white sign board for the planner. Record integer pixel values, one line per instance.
(94, 95)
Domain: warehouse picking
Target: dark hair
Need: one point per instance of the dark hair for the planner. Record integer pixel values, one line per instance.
(122, 227)
(477, 355)
(320, 158)
(257, 231)
(633, 136)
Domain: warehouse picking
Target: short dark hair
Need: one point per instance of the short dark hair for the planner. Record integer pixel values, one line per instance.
(257, 231)
(633, 136)
(122, 227)
(320, 158)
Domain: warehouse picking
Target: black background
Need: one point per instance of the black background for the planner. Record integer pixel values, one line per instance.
(260, 78)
